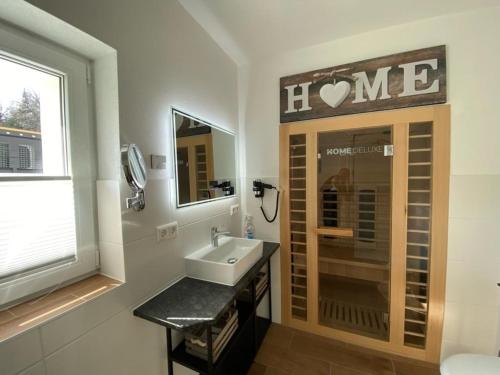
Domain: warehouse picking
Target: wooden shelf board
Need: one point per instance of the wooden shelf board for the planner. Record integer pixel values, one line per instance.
(338, 232)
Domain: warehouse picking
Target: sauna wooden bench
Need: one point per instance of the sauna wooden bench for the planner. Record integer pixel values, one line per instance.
(192, 303)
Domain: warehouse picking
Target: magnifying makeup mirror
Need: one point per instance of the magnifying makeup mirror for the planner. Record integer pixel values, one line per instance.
(134, 169)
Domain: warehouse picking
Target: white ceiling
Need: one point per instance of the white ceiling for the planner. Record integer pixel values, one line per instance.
(252, 29)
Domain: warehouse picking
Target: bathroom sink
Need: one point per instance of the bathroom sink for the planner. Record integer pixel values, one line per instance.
(226, 263)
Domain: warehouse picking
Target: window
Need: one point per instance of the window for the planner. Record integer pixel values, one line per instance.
(26, 157)
(47, 225)
(4, 156)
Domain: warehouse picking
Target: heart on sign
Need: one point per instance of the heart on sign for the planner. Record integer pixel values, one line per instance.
(335, 94)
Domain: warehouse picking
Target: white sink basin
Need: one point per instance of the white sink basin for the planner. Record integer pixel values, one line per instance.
(224, 264)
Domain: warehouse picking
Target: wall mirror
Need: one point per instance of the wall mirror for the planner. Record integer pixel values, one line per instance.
(205, 160)
(134, 169)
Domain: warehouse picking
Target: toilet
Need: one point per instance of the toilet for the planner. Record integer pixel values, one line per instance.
(471, 364)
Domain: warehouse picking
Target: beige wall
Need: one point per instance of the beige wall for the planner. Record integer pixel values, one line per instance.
(473, 53)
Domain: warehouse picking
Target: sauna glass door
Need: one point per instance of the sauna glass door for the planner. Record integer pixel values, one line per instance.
(353, 236)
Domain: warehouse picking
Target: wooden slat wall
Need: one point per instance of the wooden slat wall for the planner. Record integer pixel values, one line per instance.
(298, 238)
(418, 231)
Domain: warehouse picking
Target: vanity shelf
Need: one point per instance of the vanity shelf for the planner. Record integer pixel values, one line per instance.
(242, 339)
(243, 334)
(195, 304)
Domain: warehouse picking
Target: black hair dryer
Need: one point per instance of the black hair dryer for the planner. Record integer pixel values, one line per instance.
(259, 188)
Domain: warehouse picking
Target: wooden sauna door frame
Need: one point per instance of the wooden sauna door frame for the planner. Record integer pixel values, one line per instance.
(399, 120)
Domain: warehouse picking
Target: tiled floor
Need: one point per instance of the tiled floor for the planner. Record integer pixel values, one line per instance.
(289, 352)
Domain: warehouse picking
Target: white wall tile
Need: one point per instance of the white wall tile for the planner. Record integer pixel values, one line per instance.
(449, 348)
(112, 260)
(469, 329)
(473, 278)
(70, 326)
(459, 237)
(452, 317)
(161, 209)
(472, 239)
(122, 345)
(479, 282)
(152, 265)
(480, 240)
(455, 281)
(137, 225)
(161, 263)
(193, 214)
(478, 329)
(110, 229)
(20, 352)
(109, 211)
(37, 369)
(475, 197)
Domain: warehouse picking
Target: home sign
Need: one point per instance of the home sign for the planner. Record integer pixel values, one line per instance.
(402, 80)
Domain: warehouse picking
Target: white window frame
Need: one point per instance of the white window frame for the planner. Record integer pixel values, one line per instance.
(82, 169)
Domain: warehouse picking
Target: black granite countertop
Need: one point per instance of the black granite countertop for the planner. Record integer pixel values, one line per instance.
(191, 302)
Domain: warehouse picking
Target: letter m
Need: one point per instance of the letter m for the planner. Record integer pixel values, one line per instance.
(380, 83)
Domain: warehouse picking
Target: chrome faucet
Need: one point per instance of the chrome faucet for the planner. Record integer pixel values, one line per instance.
(215, 234)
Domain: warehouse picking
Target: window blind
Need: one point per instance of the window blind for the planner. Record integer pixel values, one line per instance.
(37, 225)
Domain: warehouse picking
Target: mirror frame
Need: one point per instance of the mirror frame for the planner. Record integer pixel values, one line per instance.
(175, 111)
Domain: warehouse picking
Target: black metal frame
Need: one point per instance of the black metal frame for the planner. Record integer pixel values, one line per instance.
(259, 327)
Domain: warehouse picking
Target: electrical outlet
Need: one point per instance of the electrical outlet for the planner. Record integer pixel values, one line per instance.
(166, 231)
(234, 209)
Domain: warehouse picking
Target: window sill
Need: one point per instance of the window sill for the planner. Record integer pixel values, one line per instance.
(29, 314)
